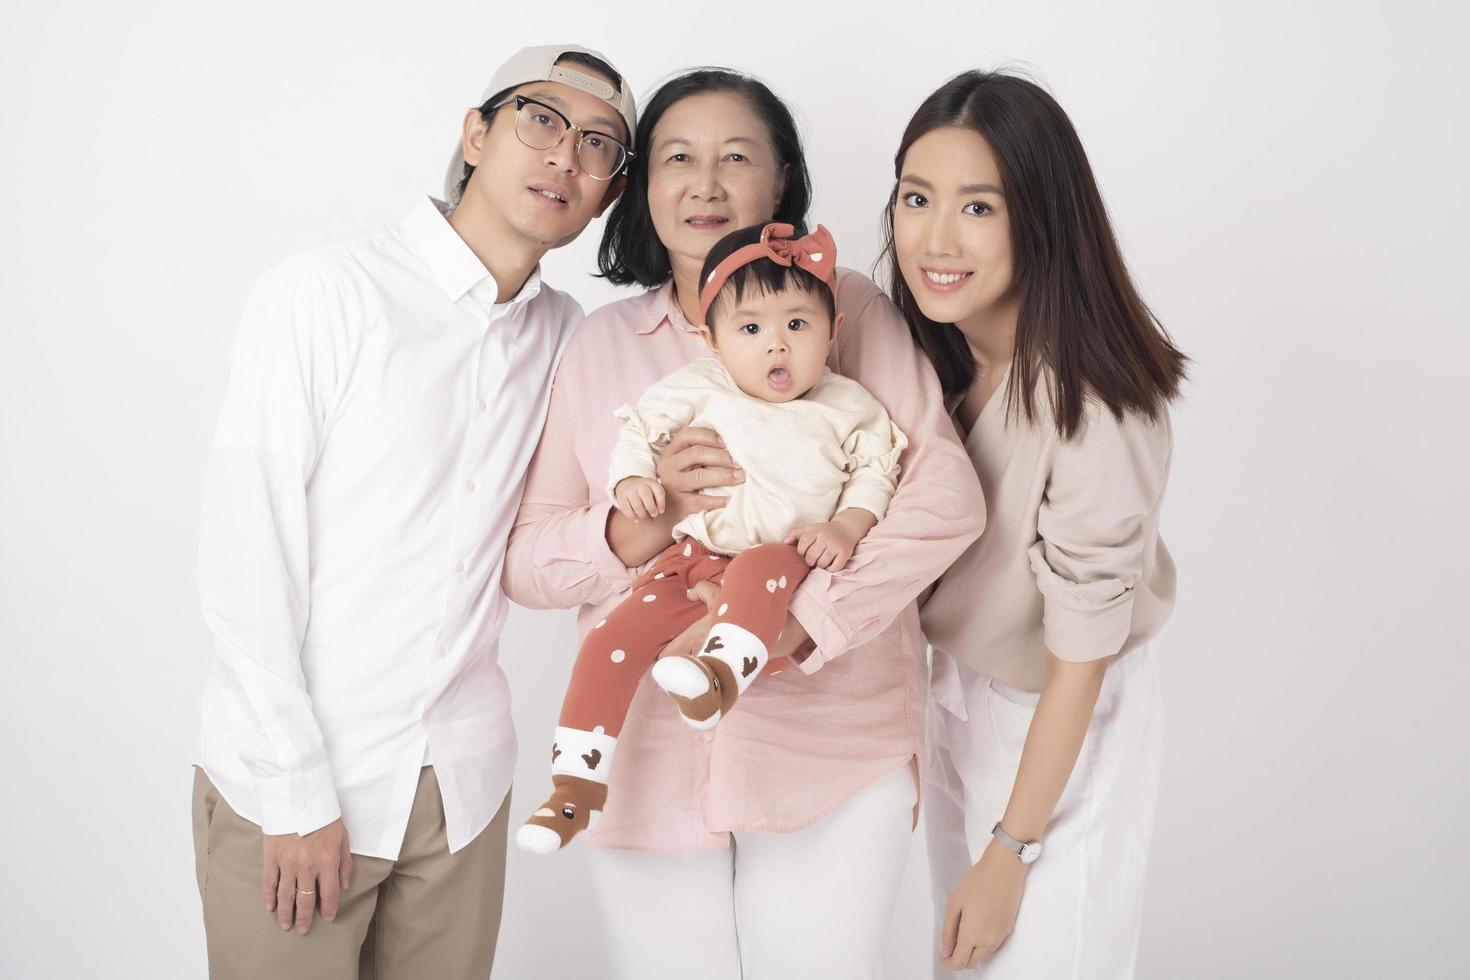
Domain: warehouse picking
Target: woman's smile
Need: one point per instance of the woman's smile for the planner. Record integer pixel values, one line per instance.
(944, 281)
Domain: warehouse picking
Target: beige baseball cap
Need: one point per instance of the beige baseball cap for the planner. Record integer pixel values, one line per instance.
(538, 64)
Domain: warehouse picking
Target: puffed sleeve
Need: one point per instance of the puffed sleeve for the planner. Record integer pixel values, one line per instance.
(872, 449)
(647, 427)
(1097, 526)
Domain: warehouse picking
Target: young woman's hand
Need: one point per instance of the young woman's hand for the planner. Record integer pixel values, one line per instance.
(982, 910)
(693, 461)
(639, 498)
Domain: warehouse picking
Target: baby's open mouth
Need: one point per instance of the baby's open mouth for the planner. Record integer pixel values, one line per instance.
(779, 378)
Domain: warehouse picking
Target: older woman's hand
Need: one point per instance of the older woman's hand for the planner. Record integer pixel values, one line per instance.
(690, 642)
(694, 461)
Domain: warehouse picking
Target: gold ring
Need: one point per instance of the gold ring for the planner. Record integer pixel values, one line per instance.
(300, 892)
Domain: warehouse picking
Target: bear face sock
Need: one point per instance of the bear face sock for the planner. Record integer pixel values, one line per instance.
(706, 686)
(579, 764)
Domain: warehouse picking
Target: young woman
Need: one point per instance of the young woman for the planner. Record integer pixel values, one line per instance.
(771, 846)
(1045, 731)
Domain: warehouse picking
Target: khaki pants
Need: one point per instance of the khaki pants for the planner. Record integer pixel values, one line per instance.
(428, 914)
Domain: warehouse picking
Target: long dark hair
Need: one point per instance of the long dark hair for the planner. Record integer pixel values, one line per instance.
(631, 251)
(1082, 327)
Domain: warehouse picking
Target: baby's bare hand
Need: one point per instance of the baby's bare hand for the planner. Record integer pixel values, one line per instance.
(639, 498)
(827, 545)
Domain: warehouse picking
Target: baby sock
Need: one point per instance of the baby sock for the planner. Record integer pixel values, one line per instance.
(579, 765)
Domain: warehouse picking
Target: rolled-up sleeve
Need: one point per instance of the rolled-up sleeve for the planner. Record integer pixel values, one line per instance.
(937, 510)
(1097, 523)
(254, 553)
(558, 555)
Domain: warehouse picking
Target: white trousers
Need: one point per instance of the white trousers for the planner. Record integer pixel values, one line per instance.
(1082, 906)
(812, 904)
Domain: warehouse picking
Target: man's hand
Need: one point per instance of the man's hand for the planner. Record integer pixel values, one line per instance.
(695, 460)
(300, 870)
(639, 498)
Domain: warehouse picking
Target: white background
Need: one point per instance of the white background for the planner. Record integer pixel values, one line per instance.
(1289, 181)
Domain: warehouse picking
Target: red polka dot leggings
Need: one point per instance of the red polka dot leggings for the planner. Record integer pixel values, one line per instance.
(755, 591)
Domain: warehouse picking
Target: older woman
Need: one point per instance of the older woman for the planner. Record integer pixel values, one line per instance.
(773, 845)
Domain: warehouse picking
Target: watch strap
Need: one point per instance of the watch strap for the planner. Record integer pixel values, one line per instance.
(1009, 842)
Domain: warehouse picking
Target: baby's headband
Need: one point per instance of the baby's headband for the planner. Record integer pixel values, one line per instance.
(815, 253)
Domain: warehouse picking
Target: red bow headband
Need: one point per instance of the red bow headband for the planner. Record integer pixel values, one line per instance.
(815, 253)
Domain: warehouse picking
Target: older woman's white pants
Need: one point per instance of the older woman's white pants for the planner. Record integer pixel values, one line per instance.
(812, 904)
(1082, 906)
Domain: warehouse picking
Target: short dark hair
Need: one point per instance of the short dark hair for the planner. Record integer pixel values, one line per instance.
(1082, 328)
(571, 57)
(631, 251)
(761, 277)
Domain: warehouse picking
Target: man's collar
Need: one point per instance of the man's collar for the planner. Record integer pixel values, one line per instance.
(452, 264)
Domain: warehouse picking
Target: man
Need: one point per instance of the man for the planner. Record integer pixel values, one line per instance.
(384, 401)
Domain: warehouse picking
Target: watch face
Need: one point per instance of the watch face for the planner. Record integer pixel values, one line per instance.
(1030, 852)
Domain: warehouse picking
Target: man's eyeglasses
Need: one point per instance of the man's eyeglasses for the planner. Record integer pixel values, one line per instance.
(541, 127)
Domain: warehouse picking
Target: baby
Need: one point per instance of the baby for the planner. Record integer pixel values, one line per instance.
(820, 457)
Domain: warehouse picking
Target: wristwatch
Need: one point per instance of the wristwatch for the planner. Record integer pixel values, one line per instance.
(1027, 852)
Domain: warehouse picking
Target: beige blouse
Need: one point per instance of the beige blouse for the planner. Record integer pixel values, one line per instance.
(1071, 560)
(805, 460)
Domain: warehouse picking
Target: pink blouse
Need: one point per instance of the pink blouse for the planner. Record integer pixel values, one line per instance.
(803, 741)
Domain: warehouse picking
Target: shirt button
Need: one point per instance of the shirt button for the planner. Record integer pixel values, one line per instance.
(708, 738)
(459, 567)
(443, 651)
(484, 404)
(469, 487)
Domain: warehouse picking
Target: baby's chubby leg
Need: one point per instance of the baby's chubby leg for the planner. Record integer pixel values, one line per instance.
(755, 596)
(610, 664)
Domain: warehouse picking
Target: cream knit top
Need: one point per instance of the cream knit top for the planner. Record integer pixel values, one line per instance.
(804, 460)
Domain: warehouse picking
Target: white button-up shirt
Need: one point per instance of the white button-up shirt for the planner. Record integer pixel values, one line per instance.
(370, 455)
